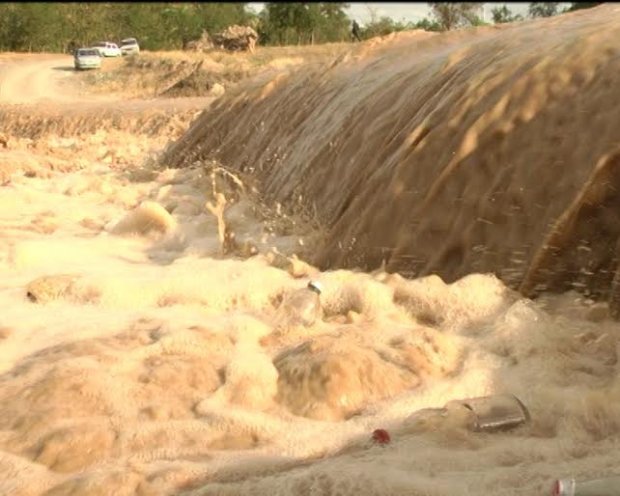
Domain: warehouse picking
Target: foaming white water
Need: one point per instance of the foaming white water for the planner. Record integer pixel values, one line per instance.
(144, 361)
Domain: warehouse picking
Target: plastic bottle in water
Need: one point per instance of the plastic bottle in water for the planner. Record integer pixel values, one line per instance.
(493, 413)
(608, 486)
(303, 307)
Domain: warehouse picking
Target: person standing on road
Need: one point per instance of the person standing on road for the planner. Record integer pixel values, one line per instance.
(355, 31)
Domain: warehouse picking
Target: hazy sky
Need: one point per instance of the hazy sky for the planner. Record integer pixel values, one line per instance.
(411, 11)
(415, 11)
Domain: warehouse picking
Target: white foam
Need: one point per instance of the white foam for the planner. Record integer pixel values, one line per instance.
(161, 367)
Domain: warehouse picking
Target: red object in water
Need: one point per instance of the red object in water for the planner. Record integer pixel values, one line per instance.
(381, 436)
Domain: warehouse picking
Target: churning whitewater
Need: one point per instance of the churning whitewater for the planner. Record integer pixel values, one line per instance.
(147, 343)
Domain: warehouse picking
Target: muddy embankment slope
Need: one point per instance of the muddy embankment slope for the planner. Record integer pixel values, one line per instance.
(494, 149)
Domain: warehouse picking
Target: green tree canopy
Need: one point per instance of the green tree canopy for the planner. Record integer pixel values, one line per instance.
(386, 25)
(543, 9)
(453, 15)
(583, 5)
(304, 22)
(169, 25)
(504, 14)
(52, 26)
(382, 27)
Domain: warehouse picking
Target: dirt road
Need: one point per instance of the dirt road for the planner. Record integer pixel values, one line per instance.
(42, 94)
(40, 78)
(49, 82)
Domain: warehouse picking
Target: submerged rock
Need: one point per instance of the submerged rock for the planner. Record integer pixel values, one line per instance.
(336, 376)
(49, 288)
(331, 379)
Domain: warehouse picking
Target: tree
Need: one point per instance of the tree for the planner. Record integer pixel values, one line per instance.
(476, 20)
(386, 25)
(27, 27)
(381, 27)
(453, 15)
(285, 23)
(13, 29)
(582, 5)
(504, 14)
(543, 9)
(427, 25)
(214, 17)
(166, 25)
(333, 22)
(373, 12)
(286, 20)
(53, 26)
(180, 25)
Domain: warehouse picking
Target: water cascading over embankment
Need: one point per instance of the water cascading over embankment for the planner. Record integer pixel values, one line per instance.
(494, 149)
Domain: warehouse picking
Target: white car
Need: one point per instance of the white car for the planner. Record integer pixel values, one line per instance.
(107, 49)
(129, 46)
(87, 58)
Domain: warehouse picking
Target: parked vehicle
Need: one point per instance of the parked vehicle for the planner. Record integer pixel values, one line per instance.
(129, 46)
(87, 58)
(107, 49)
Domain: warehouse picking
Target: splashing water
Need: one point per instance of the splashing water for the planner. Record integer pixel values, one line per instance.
(142, 351)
